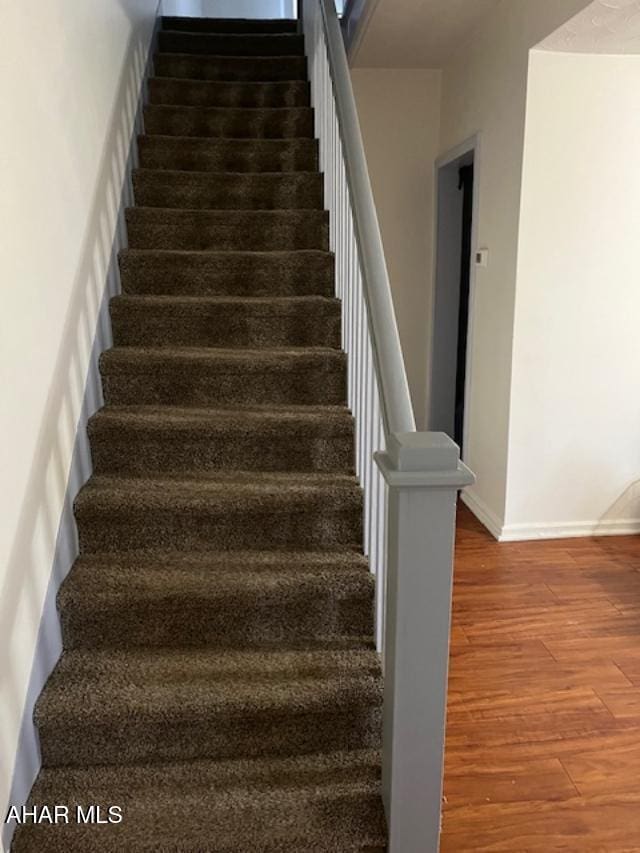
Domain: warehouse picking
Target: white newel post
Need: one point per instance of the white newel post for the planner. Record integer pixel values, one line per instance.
(424, 475)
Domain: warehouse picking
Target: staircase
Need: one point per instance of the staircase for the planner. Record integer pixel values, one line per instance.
(219, 681)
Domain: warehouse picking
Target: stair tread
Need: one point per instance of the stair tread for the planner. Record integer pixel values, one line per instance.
(245, 600)
(158, 214)
(230, 93)
(227, 141)
(212, 576)
(282, 58)
(241, 112)
(231, 44)
(235, 230)
(257, 69)
(254, 322)
(189, 108)
(193, 777)
(227, 273)
(245, 155)
(282, 35)
(290, 93)
(202, 255)
(230, 122)
(207, 190)
(205, 376)
(213, 84)
(103, 490)
(149, 439)
(222, 417)
(253, 302)
(238, 600)
(317, 803)
(227, 24)
(211, 176)
(250, 360)
(218, 563)
(248, 271)
(100, 683)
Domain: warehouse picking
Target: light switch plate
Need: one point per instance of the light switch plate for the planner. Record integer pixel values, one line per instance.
(482, 258)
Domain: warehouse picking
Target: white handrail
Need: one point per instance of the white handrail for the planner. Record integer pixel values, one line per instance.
(359, 260)
(396, 406)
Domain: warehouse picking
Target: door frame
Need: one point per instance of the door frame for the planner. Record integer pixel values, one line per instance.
(470, 145)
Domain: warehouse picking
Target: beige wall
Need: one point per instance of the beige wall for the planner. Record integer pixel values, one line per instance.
(70, 81)
(399, 115)
(574, 453)
(484, 88)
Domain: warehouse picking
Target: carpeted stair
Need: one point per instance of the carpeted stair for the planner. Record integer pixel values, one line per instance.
(219, 681)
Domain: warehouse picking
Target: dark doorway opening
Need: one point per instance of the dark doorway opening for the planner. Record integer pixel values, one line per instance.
(454, 248)
(465, 186)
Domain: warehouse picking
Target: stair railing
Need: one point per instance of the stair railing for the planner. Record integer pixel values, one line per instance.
(410, 479)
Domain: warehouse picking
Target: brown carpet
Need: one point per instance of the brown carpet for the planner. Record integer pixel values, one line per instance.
(219, 681)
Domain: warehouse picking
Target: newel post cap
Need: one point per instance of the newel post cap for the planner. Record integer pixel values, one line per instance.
(428, 459)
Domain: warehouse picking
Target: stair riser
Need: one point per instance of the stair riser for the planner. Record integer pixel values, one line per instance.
(229, 25)
(145, 738)
(214, 44)
(229, 124)
(197, 93)
(208, 155)
(245, 525)
(268, 617)
(144, 453)
(294, 274)
(231, 69)
(228, 192)
(221, 326)
(257, 234)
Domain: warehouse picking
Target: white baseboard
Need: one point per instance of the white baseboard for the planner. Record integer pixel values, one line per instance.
(482, 512)
(569, 530)
(553, 530)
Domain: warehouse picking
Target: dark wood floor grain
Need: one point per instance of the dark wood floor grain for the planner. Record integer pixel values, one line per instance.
(543, 733)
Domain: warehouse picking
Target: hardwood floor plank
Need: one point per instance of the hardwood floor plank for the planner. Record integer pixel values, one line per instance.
(601, 735)
(609, 824)
(527, 703)
(602, 772)
(624, 703)
(469, 784)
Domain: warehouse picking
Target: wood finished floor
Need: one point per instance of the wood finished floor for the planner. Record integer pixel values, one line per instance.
(543, 734)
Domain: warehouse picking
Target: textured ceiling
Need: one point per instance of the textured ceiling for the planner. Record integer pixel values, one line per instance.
(606, 26)
(417, 33)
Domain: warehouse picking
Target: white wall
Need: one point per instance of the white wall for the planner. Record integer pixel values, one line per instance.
(574, 458)
(399, 115)
(231, 8)
(484, 91)
(68, 114)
